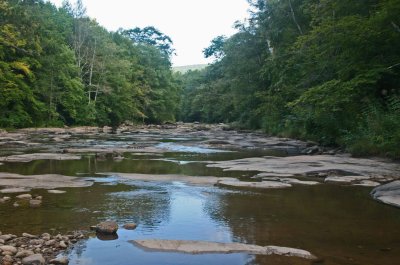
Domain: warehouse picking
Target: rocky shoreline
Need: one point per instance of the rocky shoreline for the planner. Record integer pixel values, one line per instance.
(41, 249)
(295, 162)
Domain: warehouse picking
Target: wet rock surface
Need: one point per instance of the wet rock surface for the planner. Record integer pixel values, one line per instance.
(308, 164)
(130, 226)
(388, 193)
(201, 247)
(14, 183)
(107, 227)
(339, 168)
(37, 249)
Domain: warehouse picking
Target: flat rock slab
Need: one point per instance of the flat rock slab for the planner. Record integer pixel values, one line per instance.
(202, 180)
(209, 180)
(257, 185)
(18, 183)
(14, 190)
(39, 156)
(299, 182)
(388, 193)
(305, 165)
(203, 247)
(367, 183)
(345, 179)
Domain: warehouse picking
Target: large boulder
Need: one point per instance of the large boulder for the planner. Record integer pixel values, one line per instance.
(388, 193)
(107, 227)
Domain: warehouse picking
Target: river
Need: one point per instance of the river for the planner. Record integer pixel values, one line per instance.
(338, 223)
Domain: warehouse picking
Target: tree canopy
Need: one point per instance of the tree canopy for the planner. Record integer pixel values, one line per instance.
(60, 67)
(325, 70)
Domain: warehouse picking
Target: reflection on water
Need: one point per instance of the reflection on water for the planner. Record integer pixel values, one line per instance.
(186, 218)
(341, 225)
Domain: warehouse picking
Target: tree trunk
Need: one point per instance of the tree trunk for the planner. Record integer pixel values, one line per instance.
(294, 18)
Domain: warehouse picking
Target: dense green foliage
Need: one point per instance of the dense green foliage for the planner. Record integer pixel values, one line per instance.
(326, 70)
(59, 67)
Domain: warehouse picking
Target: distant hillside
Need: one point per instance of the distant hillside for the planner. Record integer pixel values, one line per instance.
(184, 69)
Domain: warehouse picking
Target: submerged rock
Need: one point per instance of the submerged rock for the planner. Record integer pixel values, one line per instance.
(388, 193)
(130, 226)
(202, 247)
(35, 203)
(107, 227)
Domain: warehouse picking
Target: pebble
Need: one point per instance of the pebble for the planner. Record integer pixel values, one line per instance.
(63, 245)
(46, 236)
(50, 242)
(35, 250)
(24, 253)
(7, 260)
(10, 249)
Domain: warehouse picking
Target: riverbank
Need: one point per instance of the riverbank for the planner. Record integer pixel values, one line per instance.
(41, 249)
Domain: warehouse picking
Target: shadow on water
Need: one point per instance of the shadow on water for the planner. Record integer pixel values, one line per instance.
(90, 165)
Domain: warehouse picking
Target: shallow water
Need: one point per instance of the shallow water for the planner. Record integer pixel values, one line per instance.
(339, 224)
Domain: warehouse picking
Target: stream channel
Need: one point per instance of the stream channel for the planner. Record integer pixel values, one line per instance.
(340, 224)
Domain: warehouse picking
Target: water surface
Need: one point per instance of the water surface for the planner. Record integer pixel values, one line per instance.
(339, 224)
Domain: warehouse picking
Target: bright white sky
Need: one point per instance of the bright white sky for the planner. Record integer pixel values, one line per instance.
(191, 24)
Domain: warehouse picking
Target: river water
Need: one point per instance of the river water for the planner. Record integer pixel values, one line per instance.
(338, 224)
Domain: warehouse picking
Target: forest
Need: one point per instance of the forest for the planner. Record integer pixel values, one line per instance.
(321, 70)
(60, 67)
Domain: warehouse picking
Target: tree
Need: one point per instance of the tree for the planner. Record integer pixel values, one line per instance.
(150, 36)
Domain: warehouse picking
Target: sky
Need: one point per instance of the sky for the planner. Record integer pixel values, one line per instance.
(191, 24)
